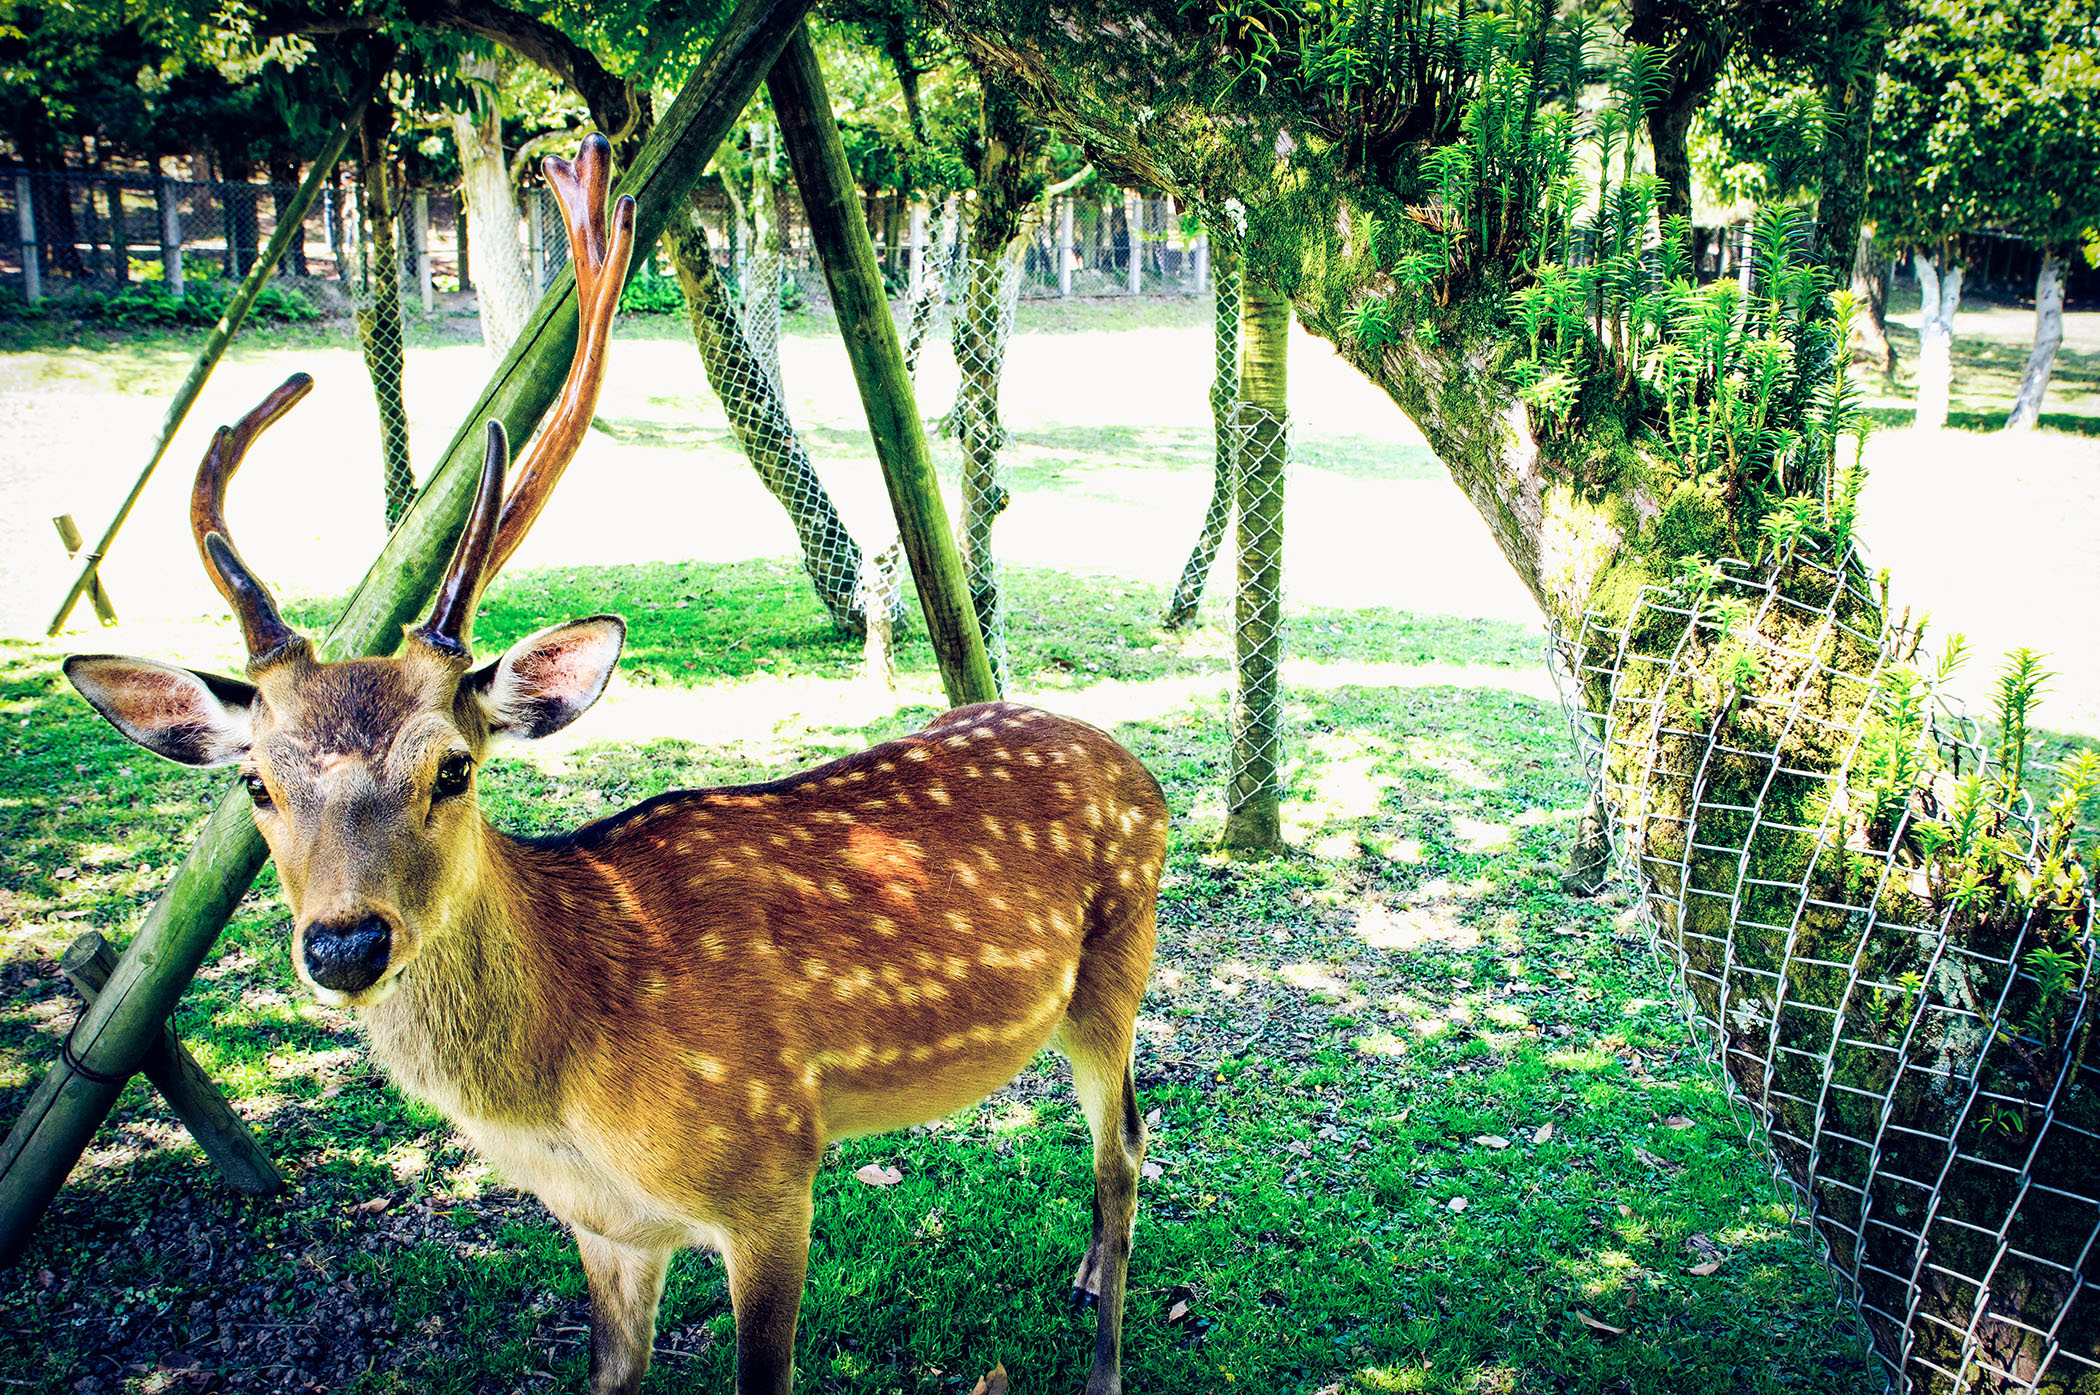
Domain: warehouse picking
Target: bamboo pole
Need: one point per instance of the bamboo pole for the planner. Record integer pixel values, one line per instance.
(840, 231)
(290, 224)
(111, 1038)
(219, 1131)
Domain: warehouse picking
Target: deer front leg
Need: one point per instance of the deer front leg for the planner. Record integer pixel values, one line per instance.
(625, 1285)
(767, 1259)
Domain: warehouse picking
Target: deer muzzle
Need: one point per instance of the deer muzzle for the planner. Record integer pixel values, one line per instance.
(350, 957)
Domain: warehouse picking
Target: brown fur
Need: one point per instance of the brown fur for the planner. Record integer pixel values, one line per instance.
(656, 1023)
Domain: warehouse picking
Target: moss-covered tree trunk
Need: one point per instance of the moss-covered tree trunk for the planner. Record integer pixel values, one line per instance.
(1870, 332)
(1224, 395)
(380, 331)
(761, 423)
(1851, 1013)
(1008, 154)
(1253, 817)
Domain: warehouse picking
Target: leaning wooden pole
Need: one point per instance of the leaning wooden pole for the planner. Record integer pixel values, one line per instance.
(112, 1037)
(291, 223)
(831, 201)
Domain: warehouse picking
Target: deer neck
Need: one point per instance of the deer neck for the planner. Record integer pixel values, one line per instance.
(471, 1028)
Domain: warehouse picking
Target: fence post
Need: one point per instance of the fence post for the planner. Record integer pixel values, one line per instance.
(170, 235)
(119, 234)
(918, 247)
(1133, 222)
(462, 268)
(25, 225)
(1064, 246)
(423, 252)
(535, 243)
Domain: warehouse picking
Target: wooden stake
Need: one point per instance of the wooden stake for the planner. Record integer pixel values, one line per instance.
(832, 204)
(69, 534)
(112, 1037)
(221, 1133)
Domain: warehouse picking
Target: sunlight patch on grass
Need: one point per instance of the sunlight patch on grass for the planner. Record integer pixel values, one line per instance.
(1412, 927)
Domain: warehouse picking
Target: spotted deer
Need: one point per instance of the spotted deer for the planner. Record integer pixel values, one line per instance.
(657, 1022)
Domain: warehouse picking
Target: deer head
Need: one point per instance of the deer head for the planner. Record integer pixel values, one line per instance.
(363, 771)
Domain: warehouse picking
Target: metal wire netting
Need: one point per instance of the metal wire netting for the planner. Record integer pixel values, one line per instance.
(1912, 1045)
(1224, 400)
(988, 289)
(1261, 453)
(378, 246)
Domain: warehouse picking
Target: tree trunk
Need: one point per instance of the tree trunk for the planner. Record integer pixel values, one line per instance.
(2048, 337)
(1870, 331)
(1940, 290)
(502, 285)
(1669, 133)
(1224, 398)
(759, 286)
(1253, 817)
(380, 331)
(237, 197)
(761, 424)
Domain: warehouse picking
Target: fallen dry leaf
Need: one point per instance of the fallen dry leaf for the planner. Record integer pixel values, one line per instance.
(373, 1207)
(1152, 1119)
(1659, 1164)
(1598, 1325)
(1151, 1171)
(1702, 1270)
(876, 1175)
(1491, 1140)
(65, 874)
(1456, 1203)
(1702, 1246)
(992, 1382)
(1625, 1210)
(1179, 1311)
(1544, 1134)
(1677, 1121)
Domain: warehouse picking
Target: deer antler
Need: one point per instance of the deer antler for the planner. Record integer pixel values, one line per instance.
(451, 623)
(601, 271)
(261, 625)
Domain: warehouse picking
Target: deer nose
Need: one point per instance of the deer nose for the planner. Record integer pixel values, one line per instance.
(350, 957)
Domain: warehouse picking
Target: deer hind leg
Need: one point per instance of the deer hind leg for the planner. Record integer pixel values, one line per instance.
(626, 1284)
(1108, 1093)
(767, 1259)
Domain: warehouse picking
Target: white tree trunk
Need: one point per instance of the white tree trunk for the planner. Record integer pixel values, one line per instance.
(501, 283)
(2048, 337)
(1941, 297)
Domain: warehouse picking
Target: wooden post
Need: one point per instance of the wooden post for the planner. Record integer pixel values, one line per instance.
(289, 225)
(423, 252)
(536, 237)
(69, 534)
(119, 234)
(1064, 246)
(25, 226)
(220, 1132)
(114, 1035)
(918, 247)
(170, 235)
(462, 264)
(836, 224)
(1133, 226)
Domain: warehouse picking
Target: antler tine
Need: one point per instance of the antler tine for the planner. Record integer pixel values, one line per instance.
(601, 271)
(261, 625)
(451, 623)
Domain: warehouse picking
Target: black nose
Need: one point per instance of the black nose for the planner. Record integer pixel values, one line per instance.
(348, 957)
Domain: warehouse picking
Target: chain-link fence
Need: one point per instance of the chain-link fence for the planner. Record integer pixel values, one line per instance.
(1887, 946)
(1224, 404)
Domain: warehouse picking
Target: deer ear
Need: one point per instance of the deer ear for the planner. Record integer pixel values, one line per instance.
(194, 718)
(548, 680)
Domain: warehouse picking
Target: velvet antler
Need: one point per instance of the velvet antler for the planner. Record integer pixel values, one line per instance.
(261, 625)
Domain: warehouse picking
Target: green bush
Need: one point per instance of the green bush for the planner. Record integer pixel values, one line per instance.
(202, 303)
(650, 292)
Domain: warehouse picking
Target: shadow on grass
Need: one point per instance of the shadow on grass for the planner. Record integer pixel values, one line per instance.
(1417, 1112)
(2075, 423)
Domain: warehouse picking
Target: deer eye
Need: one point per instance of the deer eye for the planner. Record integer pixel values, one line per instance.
(257, 790)
(453, 773)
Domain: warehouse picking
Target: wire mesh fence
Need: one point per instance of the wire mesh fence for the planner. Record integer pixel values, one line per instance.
(1886, 945)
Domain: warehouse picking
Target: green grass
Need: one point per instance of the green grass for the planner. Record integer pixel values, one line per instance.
(1326, 1037)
